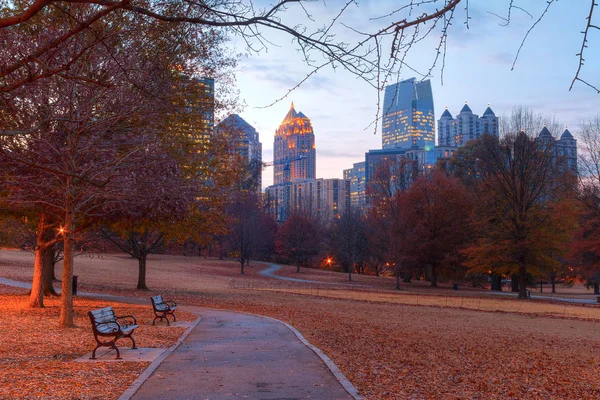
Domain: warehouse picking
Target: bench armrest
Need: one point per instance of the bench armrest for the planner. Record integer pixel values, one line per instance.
(108, 327)
(170, 303)
(128, 320)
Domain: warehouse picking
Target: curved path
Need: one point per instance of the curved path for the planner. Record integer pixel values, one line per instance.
(270, 273)
(240, 355)
(230, 354)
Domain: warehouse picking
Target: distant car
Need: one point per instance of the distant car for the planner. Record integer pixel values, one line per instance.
(506, 281)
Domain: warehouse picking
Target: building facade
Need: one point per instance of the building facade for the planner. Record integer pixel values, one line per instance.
(245, 143)
(408, 115)
(564, 149)
(294, 153)
(415, 160)
(357, 185)
(208, 106)
(320, 198)
(466, 126)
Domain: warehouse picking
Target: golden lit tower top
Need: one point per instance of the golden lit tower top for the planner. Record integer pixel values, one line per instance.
(294, 140)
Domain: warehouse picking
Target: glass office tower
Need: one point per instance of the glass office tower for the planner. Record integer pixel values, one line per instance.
(408, 116)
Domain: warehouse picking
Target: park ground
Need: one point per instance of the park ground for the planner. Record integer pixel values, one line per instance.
(417, 343)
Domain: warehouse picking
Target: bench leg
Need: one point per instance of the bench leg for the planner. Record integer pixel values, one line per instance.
(132, 341)
(160, 318)
(174, 317)
(93, 357)
(114, 346)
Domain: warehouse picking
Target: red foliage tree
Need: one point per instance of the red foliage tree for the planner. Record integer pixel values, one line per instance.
(435, 212)
(298, 239)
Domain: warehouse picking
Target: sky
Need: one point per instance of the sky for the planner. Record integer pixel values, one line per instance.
(342, 107)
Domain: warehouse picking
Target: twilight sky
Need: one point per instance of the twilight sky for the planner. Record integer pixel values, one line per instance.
(478, 70)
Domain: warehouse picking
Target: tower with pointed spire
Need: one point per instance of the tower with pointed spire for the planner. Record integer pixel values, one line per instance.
(294, 149)
(466, 126)
(564, 150)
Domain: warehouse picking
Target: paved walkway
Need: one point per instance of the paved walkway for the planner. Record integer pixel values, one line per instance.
(270, 273)
(229, 355)
(232, 355)
(576, 300)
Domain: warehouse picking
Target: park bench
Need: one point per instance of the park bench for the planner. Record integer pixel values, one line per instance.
(106, 324)
(163, 308)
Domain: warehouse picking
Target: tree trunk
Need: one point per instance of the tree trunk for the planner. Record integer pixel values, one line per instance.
(522, 282)
(596, 288)
(433, 275)
(350, 271)
(514, 283)
(298, 266)
(553, 281)
(36, 297)
(48, 279)
(397, 273)
(66, 304)
(496, 282)
(242, 262)
(142, 271)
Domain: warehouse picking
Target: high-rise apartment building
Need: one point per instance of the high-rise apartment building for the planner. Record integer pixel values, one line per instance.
(466, 126)
(358, 188)
(564, 149)
(245, 143)
(408, 115)
(320, 198)
(294, 154)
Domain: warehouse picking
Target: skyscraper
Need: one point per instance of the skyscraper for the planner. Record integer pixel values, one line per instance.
(466, 126)
(564, 149)
(294, 154)
(208, 105)
(245, 143)
(357, 179)
(408, 116)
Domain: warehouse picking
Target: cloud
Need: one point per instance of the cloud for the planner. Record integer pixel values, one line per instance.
(501, 58)
(328, 153)
(283, 76)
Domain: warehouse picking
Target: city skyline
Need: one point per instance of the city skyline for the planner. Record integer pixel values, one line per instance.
(477, 69)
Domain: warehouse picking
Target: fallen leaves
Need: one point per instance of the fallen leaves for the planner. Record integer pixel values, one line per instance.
(36, 355)
(387, 350)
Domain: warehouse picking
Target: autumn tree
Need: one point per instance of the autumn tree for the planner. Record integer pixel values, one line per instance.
(518, 226)
(433, 210)
(391, 178)
(298, 239)
(585, 252)
(243, 237)
(72, 142)
(348, 239)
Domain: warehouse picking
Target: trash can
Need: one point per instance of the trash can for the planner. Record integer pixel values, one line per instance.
(74, 285)
(455, 286)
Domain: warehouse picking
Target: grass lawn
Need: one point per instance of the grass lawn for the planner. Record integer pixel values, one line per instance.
(387, 345)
